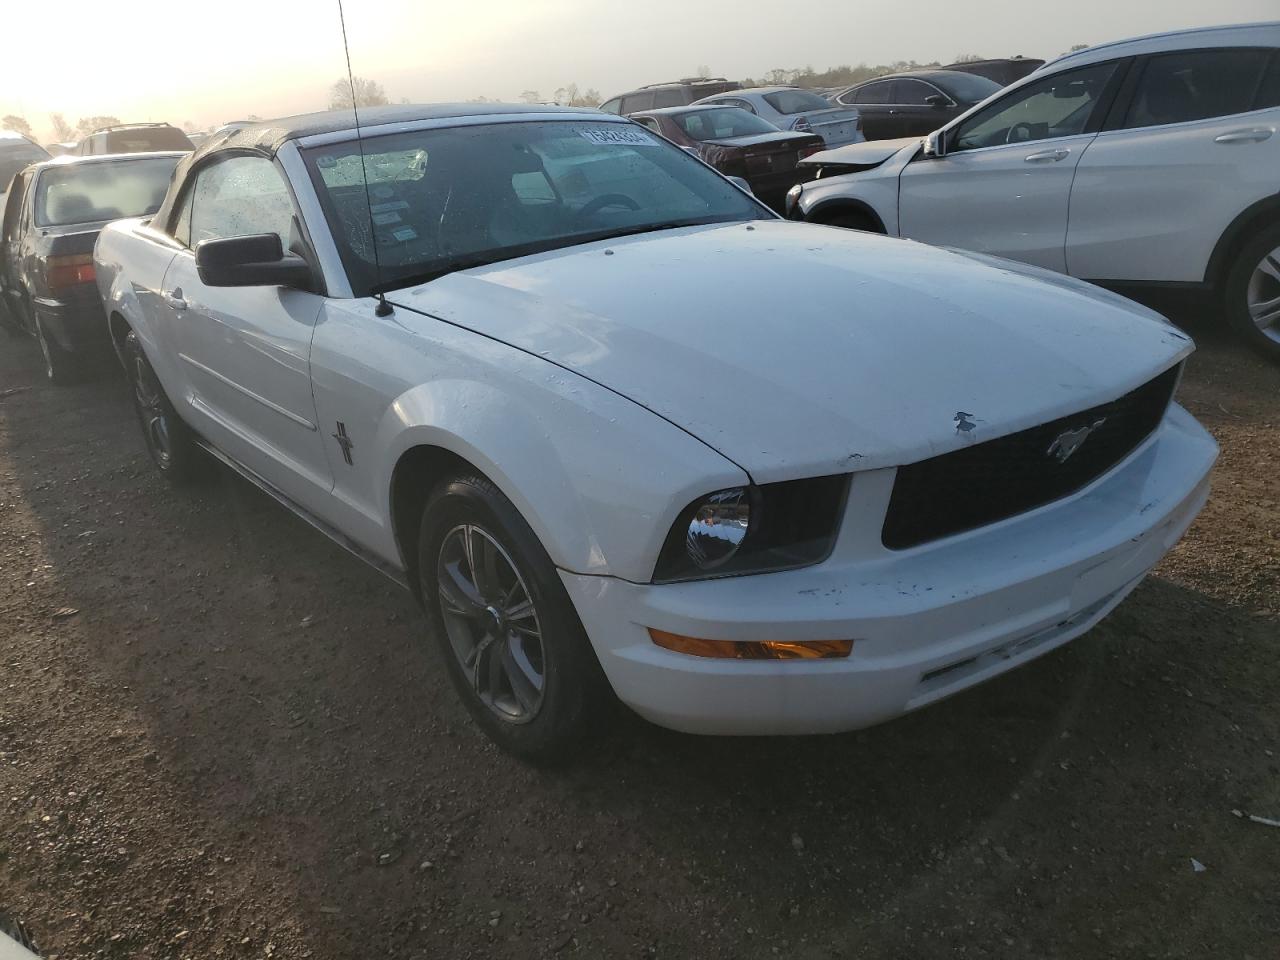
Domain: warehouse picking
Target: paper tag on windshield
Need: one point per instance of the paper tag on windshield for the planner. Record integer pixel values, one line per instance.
(404, 233)
(619, 135)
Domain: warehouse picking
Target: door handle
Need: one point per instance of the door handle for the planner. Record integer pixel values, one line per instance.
(1256, 135)
(175, 300)
(1047, 156)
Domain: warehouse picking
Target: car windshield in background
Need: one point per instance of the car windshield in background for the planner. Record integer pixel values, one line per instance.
(144, 139)
(796, 101)
(722, 124)
(966, 87)
(16, 158)
(107, 190)
(446, 199)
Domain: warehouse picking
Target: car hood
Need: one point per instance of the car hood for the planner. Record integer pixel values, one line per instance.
(801, 350)
(869, 153)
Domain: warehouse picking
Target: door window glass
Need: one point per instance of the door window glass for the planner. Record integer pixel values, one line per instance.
(240, 197)
(1195, 85)
(674, 97)
(637, 101)
(877, 92)
(912, 93)
(1057, 106)
(1269, 92)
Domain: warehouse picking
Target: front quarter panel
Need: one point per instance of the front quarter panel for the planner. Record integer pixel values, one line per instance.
(876, 188)
(598, 478)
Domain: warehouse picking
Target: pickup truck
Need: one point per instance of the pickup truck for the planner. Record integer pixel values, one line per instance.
(623, 431)
(52, 216)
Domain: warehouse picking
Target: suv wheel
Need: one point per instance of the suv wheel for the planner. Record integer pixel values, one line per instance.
(851, 220)
(170, 442)
(512, 642)
(1252, 292)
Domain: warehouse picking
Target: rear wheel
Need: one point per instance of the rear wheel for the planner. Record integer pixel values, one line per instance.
(511, 640)
(170, 442)
(60, 366)
(1252, 292)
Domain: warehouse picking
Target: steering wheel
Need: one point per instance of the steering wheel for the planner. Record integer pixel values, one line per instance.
(607, 200)
(1027, 132)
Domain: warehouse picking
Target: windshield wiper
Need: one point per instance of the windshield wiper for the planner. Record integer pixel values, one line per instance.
(483, 258)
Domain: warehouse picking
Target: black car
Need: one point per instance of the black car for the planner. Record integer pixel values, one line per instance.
(1003, 71)
(678, 93)
(16, 152)
(52, 215)
(914, 104)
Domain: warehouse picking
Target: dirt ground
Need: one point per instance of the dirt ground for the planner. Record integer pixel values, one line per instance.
(240, 746)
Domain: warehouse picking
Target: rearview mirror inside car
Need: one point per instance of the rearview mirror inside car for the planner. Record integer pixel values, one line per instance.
(253, 261)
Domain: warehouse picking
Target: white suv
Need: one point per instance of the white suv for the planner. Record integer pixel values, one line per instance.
(1148, 162)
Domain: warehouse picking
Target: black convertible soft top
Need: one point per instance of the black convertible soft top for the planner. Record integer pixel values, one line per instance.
(268, 136)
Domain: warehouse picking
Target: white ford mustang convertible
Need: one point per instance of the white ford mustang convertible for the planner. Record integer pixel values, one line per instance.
(625, 432)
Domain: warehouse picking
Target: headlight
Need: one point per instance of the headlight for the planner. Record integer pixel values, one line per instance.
(776, 526)
(793, 198)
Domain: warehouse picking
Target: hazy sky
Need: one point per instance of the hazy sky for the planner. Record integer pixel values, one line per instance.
(208, 63)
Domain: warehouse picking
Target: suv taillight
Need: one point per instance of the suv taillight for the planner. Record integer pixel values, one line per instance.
(63, 272)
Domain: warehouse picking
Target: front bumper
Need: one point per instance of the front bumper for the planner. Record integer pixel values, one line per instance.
(926, 622)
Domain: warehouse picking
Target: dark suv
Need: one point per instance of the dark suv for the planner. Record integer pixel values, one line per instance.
(133, 138)
(677, 94)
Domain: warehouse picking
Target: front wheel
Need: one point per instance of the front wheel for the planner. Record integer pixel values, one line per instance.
(1252, 292)
(512, 642)
(170, 442)
(852, 220)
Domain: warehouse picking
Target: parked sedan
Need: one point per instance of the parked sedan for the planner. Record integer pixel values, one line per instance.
(914, 104)
(624, 431)
(738, 144)
(1147, 164)
(51, 219)
(791, 108)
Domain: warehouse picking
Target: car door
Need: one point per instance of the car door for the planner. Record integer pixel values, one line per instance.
(872, 101)
(913, 113)
(12, 287)
(1003, 184)
(245, 351)
(1193, 141)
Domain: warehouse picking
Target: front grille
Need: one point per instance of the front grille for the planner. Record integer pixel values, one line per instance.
(1001, 478)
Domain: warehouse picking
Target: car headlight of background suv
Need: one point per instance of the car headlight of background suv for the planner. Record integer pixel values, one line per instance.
(754, 529)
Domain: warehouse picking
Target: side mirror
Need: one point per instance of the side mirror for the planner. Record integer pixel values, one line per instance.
(743, 186)
(937, 100)
(254, 261)
(935, 145)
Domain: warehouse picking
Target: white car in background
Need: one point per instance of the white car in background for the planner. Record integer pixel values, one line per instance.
(738, 509)
(1148, 162)
(799, 110)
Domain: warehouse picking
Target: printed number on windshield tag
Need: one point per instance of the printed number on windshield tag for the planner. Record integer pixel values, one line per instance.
(619, 136)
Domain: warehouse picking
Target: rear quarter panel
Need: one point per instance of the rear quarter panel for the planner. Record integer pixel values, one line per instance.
(130, 260)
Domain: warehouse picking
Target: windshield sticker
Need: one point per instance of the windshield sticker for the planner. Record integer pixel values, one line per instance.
(383, 219)
(393, 205)
(382, 192)
(617, 135)
(405, 233)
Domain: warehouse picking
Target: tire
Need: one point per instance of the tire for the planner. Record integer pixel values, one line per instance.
(1252, 290)
(512, 642)
(61, 367)
(852, 220)
(170, 443)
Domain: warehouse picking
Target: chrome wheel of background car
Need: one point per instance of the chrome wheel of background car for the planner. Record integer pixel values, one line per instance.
(151, 410)
(1263, 295)
(491, 622)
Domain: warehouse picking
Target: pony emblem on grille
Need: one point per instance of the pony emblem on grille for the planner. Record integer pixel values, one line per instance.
(1068, 442)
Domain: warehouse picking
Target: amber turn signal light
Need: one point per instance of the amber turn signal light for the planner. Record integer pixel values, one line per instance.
(752, 649)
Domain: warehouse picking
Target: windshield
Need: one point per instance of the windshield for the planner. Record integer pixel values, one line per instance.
(444, 199)
(109, 190)
(722, 123)
(15, 158)
(796, 101)
(967, 87)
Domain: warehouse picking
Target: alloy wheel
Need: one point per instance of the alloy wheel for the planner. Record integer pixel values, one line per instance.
(1263, 295)
(491, 622)
(151, 410)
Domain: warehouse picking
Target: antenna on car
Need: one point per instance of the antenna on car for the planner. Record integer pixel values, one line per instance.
(383, 309)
